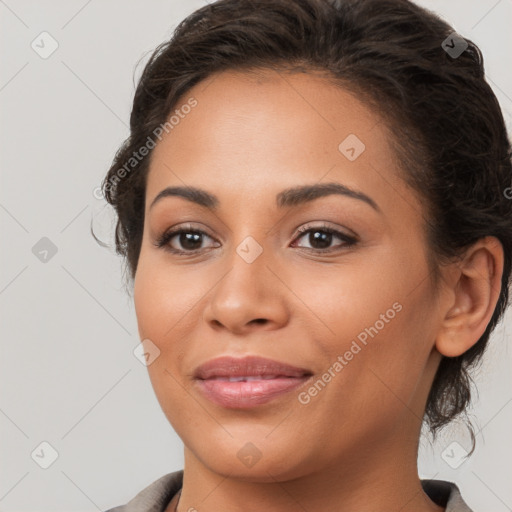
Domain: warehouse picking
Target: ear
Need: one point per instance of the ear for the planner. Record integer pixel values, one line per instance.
(475, 288)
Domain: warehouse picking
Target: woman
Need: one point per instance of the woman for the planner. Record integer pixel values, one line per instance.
(312, 205)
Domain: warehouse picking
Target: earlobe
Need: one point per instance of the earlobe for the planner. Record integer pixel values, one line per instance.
(474, 297)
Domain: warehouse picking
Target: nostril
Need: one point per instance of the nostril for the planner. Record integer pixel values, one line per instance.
(259, 320)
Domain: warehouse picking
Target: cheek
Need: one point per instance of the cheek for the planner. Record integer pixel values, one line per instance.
(163, 296)
(376, 315)
(166, 300)
(161, 305)
(346, 299)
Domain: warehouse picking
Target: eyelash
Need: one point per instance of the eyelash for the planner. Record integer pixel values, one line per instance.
(164, 239)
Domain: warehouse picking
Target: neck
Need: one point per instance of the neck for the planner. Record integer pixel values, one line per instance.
(378, 476)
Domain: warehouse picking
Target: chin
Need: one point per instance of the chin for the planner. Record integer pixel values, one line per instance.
(261, 460)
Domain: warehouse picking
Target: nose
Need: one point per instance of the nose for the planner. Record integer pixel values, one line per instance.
(248, 297)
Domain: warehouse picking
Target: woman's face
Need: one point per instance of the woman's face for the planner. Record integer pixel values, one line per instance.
(355, 309)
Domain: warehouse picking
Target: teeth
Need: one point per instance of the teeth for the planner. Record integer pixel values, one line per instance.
(249, 378)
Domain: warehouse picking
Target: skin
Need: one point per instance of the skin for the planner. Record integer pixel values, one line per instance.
(355, 443)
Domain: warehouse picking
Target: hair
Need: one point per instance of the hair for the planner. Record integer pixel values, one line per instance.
(445, 123)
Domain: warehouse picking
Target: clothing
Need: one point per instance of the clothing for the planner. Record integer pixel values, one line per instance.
(156, 496)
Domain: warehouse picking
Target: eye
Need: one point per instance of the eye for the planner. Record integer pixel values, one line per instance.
(188, 239)
(320, 238)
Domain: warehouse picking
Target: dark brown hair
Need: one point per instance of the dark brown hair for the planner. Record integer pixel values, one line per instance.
(444, 121)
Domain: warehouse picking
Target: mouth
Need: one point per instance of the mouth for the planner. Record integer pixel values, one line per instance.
(241, 383)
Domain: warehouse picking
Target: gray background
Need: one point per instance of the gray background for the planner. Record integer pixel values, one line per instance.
(68, 375)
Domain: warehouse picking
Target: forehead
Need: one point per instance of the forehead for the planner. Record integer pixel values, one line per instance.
(263, 131)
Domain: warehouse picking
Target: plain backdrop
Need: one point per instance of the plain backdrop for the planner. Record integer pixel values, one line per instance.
(68, 375)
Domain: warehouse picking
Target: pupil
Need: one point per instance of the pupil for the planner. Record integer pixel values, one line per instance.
(322, 237)
(187, 240)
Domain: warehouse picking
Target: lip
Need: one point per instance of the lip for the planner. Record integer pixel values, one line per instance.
(276, 379)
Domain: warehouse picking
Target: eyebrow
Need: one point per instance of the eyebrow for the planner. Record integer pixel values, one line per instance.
(287, 198)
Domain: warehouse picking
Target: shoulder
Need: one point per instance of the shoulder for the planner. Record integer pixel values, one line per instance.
(156, 496)
(445, 494)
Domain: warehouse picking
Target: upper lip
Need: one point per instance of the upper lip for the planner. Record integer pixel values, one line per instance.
(227, 366)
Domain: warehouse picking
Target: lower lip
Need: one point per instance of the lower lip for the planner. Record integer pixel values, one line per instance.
(247, 394)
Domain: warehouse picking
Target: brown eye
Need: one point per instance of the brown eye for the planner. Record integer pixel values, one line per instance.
(320, 238)
(183, 240)
(189, 240)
